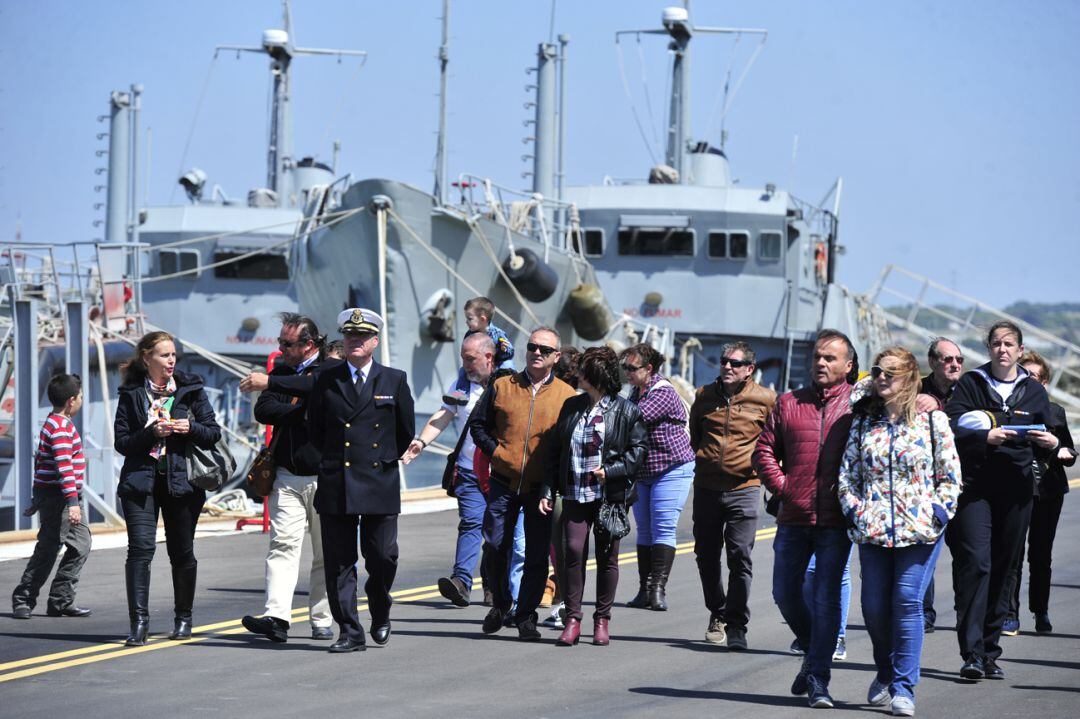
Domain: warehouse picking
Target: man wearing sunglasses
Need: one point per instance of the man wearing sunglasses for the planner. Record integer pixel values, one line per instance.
(282, 405)
(513, 424)
(946, 365)
(726, 420)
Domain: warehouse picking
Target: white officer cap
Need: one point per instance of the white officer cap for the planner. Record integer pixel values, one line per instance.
(358, 319)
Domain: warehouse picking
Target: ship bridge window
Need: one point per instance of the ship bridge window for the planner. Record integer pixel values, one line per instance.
(729, 245)
(171, 262)
(264, 266)
(656, 241)
(769, 245)
(594, 243)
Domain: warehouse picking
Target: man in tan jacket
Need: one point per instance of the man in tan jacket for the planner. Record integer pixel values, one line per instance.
(725, 421)
(512, 425)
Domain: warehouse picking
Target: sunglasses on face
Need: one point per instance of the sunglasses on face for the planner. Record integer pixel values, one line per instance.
(631, 368)
(542, 349)
(286, 344)
(736, 364)
(958, 359)
(877, 371)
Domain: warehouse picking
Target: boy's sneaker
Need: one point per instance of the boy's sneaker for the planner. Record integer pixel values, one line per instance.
(818, 693)
(796, 649)
(715, 633)
(903, 707)
(554, 620)
(1011, 627)
(878, 694)
(23, 612)
(841, 650)
(456, 398)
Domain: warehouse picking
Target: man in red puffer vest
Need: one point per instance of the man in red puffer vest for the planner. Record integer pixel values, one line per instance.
(798, 460)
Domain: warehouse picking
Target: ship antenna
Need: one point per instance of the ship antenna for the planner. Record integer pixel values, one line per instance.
(440, 147)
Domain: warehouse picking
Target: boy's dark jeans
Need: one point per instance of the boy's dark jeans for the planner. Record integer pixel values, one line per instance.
(54, 531)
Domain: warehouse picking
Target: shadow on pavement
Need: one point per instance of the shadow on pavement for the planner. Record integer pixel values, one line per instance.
(1047, 689)
(766, 699)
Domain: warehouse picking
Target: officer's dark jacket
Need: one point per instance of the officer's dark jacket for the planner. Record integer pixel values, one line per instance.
(358, 439)
(134, 440)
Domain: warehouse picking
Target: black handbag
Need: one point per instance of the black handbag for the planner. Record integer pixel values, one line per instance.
(208, 469)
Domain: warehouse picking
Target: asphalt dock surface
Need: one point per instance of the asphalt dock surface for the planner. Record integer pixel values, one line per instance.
(438, 663)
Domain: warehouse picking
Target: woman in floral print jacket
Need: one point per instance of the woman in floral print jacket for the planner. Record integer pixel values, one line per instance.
(898, 486)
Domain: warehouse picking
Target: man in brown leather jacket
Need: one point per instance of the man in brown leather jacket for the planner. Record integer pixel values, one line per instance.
(513, 425)
(725, 421)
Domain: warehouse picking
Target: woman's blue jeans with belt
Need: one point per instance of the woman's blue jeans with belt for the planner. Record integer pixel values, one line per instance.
(893, 584)
(659, 504)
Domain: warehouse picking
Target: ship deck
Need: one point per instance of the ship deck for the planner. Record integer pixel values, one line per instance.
(438, 663)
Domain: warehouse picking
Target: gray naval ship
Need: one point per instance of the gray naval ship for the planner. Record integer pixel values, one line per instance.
(685, 258)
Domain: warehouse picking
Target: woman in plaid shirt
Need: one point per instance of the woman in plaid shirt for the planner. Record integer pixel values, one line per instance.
(664, 478)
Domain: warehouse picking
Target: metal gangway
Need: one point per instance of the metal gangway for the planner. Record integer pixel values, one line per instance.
(923, 309)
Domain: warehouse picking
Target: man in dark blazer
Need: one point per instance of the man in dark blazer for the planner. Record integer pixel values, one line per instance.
(360, 418)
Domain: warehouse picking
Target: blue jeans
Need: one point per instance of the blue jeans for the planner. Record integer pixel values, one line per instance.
(816, 624)
(471, 504)
(845, 591)
(893, 585)
(659, 504)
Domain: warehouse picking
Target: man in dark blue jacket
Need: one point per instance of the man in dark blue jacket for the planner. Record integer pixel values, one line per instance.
(360, 420)
(291, 503)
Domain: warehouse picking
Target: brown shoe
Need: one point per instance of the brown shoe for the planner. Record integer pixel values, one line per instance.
(455, 590)
(600, 636)
(549, 593)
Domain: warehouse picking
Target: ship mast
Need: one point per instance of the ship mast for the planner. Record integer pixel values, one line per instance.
(278, 45)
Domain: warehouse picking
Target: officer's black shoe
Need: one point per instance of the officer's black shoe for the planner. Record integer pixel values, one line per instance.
(992, 670)
(972, 669)
(380, 633)
(345, 644)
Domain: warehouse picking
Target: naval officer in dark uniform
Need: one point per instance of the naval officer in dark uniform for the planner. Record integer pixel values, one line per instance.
(360, 418)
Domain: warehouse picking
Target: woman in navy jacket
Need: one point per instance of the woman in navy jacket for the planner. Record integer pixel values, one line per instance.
(995, 504)
(160, 410)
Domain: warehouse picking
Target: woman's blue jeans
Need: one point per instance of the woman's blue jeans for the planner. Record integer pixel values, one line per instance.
(659, 504)
(893, 584)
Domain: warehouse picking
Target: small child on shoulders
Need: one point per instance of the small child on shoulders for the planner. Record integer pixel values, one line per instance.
(479, 312)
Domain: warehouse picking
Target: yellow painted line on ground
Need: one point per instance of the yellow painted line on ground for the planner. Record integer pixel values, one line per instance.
(114, 650)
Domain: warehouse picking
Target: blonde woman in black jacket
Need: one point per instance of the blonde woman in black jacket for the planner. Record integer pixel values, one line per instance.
(160, 410)
(602, 441)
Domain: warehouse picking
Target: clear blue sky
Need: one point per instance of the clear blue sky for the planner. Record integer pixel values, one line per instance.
(954, 124)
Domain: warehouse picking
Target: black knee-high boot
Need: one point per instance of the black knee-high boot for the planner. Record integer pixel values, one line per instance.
(644, 568)
(663, 556)
(183, 598)
(137, 576)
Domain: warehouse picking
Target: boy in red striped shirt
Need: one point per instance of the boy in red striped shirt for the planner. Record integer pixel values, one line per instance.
(59, 468)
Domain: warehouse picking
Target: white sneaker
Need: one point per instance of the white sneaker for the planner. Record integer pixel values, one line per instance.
(554, 620)
(878, 695)
(903, 707)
